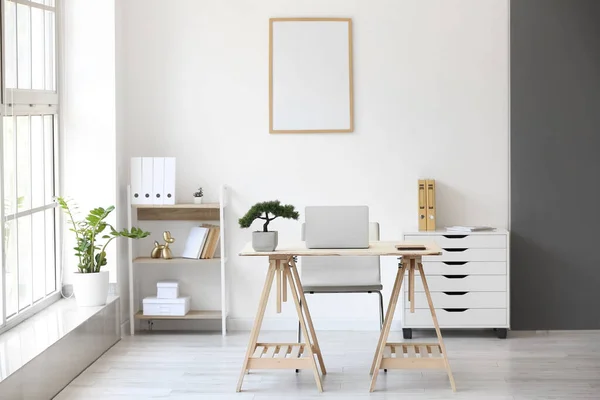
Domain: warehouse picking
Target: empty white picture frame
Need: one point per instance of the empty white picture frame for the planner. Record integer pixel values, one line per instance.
(310, 75)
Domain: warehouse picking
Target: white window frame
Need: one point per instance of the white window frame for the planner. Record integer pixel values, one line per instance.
(21, 102)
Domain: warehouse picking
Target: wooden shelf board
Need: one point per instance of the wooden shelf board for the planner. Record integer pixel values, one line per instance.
(178, 206)
(192, 314)
(175, 260)
(178, 212)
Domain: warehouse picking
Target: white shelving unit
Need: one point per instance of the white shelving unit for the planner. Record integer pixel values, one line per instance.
(213, 212)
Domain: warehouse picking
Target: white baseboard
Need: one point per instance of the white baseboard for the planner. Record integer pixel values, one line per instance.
(181, 325)
(290, 324)
(269, 324)
(172, 325)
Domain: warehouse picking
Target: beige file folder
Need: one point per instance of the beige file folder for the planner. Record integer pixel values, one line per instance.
(422, 205)
(430, 204)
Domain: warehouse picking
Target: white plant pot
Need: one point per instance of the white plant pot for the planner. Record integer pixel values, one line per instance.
(90, 289)
(197, 200)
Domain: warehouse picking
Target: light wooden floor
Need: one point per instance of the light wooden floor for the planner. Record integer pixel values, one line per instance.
(528, 365)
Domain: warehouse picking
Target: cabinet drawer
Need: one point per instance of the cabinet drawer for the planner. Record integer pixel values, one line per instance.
(453, 240)
(462, 283)
(457, 318)
(465, 254)
(464, 268)
(459, 300)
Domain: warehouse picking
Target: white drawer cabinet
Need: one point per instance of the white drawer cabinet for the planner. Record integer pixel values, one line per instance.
(464, 267)
(469, 282)
(465, 254)
(460, 300)
(463, 283)
(466, 241)
(458, 318)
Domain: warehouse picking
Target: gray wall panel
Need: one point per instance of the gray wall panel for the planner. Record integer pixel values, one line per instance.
(555, 164)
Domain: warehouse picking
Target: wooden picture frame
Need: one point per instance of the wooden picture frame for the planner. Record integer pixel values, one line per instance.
(310, 86)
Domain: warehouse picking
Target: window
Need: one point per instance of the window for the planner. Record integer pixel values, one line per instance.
(28, 133)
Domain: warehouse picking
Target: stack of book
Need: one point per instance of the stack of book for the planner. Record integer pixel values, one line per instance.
(202, 242)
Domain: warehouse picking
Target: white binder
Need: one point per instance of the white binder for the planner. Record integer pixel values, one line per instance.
(135, 176)
(158, 180)
(169, 181)
(147, 179)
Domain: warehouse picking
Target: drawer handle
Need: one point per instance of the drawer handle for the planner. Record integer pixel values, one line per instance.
(455, 236)
(455, 293)
(455, 250)
(455, 276)
(455, 309)
(455, 262)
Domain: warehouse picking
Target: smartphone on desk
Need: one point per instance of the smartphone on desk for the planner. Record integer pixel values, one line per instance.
(410, 246)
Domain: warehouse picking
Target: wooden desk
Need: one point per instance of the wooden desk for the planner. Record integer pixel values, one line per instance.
(282, 268)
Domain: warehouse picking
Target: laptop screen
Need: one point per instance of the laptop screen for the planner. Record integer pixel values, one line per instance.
(337, 227)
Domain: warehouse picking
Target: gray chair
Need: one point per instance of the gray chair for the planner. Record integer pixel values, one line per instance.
(343, 274)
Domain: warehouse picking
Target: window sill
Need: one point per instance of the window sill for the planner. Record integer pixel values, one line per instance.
(30, 312)
(27, 340)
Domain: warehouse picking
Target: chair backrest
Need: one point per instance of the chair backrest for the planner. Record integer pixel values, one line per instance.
(342, 271)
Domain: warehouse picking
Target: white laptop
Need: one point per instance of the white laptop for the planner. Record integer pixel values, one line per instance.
(337, 227)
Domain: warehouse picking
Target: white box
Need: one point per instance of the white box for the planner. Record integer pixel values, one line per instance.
(169, 307)
(167, 290)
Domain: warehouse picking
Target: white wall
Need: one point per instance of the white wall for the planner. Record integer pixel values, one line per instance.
(87, 123)
(431, 97)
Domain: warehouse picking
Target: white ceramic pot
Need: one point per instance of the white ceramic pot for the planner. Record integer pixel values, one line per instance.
(197, 200)
(90, 289)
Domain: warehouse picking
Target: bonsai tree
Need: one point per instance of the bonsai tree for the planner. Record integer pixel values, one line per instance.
(268, 211)
(199, 192)
(91, 254)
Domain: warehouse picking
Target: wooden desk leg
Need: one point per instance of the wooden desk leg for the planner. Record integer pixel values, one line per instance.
(262, 305)
(397, 282)
(388, 321)
(283, 281)
(278, 273)
(311, 328)
(411, 285)
(309, 344)
(437, 327)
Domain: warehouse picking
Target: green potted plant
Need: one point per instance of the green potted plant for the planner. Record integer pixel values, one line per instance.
(267, 211)
(198, 194)
(90, 285)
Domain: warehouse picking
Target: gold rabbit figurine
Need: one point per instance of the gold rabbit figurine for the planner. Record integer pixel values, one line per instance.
(166, 253)
(163, 250)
